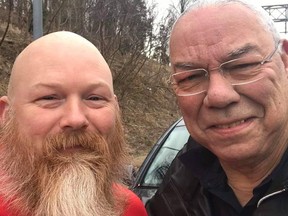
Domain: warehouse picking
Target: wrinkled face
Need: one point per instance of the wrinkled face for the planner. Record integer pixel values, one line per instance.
(234, 122)
(62, 89)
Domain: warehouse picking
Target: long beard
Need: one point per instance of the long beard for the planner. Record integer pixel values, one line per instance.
(72, 175)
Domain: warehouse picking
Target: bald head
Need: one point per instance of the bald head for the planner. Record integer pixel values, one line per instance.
(59, 49)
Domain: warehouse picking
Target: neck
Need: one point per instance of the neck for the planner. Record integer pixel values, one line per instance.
(243, 192)
(243, 178)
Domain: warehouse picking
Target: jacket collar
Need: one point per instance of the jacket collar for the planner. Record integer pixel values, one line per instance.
(206, 167)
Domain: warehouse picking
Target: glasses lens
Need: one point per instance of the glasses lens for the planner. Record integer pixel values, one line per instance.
(190, 82)
(239, 71)
(243, 70)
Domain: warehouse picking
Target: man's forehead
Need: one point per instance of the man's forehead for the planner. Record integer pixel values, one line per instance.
(213, 25)
(212, 14)
(62, 37)
(62, 53)
(47, 68)
(55, 43)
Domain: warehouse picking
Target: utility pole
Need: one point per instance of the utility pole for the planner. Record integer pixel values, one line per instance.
(37, 19)
(279, 14)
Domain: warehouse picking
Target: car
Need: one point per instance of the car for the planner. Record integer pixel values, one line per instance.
(158, 160)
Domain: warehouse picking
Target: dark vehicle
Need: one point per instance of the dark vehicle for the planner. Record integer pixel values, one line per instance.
(154, 167)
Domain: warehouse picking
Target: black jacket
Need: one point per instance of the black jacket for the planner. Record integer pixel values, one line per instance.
(181, 194)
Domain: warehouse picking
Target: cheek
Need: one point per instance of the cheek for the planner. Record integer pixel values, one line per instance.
(32, 129)
(271, 93)
(190, 108)
(190, 105)
(104, 121)
(34, 124)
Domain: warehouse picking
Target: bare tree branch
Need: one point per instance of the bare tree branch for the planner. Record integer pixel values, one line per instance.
(8, 21)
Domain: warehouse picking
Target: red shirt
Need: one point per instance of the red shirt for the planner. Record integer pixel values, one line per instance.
(3, 211)
(134, 205)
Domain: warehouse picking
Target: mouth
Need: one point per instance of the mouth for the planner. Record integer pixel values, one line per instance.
(71, 149)
(231, 125)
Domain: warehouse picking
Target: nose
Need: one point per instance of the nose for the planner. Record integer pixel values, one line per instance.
(220, 92)
(74, 116)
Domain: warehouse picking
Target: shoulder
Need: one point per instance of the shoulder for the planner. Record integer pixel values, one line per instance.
(133, 206)
(3, 209)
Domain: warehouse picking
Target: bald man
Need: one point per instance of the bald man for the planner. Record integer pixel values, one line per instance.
(62, 150)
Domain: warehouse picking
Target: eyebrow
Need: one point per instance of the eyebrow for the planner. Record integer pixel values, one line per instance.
(46, 85)
(59, 85)
(237, 53)
(184, 65)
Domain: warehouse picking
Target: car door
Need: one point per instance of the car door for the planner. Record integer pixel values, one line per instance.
(154, 167)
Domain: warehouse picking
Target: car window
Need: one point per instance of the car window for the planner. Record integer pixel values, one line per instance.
(175, 141)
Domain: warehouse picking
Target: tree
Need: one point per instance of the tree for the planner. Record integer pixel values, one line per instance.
(166, 24)
(8, 20)
(123, 31)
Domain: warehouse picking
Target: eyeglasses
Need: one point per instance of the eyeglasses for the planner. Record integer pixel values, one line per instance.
(240, 71)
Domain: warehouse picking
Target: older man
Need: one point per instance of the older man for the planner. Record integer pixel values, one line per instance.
(230, 76)
(62, 150)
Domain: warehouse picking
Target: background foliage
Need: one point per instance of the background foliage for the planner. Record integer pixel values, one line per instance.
(131, 40)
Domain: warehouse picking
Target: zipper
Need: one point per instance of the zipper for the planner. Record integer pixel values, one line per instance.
(270, 195)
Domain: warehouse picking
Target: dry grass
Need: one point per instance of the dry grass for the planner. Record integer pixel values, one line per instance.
(13, 44)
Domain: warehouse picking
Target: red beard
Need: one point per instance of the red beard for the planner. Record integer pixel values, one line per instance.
(72, 175)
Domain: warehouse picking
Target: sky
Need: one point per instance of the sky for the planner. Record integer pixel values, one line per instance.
(162, 5)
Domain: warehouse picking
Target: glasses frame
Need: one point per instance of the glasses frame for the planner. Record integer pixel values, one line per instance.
(265, 60)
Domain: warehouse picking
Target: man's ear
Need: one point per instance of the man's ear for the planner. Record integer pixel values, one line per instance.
(4, 105)
(117, 103)
(285, 53)
(285, 45)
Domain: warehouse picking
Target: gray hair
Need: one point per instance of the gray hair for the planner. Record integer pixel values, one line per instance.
(260, 13)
